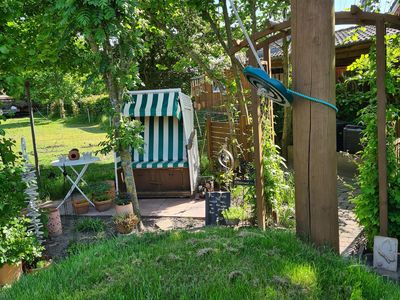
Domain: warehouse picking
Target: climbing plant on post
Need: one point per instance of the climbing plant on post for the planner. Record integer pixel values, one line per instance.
(108, 34)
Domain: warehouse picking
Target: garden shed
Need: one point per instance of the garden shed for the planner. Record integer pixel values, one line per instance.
(169, 165)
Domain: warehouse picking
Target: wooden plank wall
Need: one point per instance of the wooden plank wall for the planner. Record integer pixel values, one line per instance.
(205, 97)
(218, 133)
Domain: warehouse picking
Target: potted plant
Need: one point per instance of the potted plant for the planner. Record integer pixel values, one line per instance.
(16, 245)
(233, 215)
(37, 265)
(123, 205)
(100, 194)
(81, 206)
(125, 223)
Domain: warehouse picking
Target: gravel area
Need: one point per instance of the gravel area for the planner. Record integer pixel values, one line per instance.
(61, 246)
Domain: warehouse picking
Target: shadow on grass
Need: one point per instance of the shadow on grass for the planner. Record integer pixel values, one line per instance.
(24, 123)
(90, 128)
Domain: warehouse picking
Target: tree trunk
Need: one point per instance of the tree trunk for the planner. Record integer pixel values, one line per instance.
(32, 122)
(126, 158)
(287, 134)
(62, 109)
(126, 162)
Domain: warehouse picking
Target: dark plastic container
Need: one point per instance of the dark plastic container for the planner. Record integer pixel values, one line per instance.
(352, 138)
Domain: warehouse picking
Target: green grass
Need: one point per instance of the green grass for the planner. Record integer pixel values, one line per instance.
(90, 225)
(55, 138)
(215, 263)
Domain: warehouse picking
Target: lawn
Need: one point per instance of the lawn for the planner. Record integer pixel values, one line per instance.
(55, 138)
(213, 263)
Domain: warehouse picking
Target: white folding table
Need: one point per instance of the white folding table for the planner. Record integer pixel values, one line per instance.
(63, 164)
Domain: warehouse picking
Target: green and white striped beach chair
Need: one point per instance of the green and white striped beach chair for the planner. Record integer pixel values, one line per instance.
(170, 143)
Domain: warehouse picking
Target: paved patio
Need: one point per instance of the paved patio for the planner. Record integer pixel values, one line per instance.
(170, 207)
(349, 229)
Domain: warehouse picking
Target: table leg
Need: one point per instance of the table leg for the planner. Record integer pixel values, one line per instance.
(75, 186)
(77, 174)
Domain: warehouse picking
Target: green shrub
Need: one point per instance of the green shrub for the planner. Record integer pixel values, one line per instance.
(122, 199)
(278, 184)
(95, 107)
(12, 197)
(236, 213)
(367, 202)
(90, 225)
(17, 244)
(363, 72)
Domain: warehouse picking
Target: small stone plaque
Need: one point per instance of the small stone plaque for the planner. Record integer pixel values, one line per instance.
(385, 253)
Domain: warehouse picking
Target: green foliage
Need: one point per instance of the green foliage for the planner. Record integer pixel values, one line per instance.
(98, 191)
(359, 85)
(278, 184)
(12, 197)
(128, 134)
(236, 213)
(17, 244)
(278, 190)
(205, 165)
(367, 202)
(122, 199)
(90, 225)
(364, 80)
(224, 179)
(96, 106)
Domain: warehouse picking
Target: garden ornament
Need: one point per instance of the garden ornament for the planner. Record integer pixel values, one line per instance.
(267, 86)
(385, 253)
(225, 158)
(73, 154)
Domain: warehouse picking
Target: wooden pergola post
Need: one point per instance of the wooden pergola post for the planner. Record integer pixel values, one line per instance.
(314, 125)
(268, 69)
(381, 99)
(257, 135)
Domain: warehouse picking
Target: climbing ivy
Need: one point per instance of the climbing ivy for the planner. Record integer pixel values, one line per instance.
(363, 80)
(367, 202)
(278, 183)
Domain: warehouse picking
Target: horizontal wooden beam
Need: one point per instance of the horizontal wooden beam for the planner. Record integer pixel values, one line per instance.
(258, 35)
(272, 39)
(354, 16)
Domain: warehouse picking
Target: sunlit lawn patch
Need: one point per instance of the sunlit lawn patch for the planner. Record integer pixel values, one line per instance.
(55, 138)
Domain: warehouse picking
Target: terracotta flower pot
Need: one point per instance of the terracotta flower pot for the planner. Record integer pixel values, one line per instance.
(121, 210)
(103, 205)
(35, 270)
(80, 207)
(10, 273)
(124, 229)
(54, 224)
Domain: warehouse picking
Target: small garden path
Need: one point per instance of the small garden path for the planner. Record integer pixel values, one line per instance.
(349, 229)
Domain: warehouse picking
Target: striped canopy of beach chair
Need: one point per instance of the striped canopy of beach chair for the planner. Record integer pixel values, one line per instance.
(164, 135)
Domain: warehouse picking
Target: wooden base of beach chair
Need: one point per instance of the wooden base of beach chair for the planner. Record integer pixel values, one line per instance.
(158, 183)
